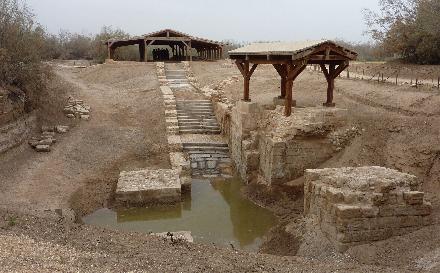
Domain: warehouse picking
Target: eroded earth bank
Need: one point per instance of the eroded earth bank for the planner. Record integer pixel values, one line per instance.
(43, 196)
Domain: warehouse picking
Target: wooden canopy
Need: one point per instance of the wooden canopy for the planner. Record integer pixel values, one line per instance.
(290, 59)
(181, 45)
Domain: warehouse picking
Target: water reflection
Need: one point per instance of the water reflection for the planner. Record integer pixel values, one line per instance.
(214, 213)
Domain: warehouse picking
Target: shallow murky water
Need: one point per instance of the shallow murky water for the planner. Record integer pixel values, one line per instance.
(214, 213)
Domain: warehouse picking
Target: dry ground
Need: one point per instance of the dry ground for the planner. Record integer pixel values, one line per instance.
(127, 131)
(400, 129)
(86, 162)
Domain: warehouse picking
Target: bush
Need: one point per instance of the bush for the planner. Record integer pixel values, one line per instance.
(22, 47)
(408, 28)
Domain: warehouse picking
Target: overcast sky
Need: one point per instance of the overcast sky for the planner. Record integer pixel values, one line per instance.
(240, 20)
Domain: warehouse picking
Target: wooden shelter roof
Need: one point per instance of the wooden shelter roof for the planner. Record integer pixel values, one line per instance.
(164, 37)
(292, 50)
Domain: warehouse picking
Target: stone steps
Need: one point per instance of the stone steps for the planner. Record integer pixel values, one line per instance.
(200, 131)
(197, 118)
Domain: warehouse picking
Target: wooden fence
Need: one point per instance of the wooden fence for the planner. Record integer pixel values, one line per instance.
(393, 78)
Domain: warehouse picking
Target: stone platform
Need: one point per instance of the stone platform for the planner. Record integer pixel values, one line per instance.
(360, 205)
(149, 186)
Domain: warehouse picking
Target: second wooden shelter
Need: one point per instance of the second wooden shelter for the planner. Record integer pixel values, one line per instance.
(290, 59)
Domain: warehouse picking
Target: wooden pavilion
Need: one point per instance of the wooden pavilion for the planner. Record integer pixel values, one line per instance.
(289, 60)
(182, 45)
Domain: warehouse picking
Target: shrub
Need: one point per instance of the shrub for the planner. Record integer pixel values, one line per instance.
(22, 46)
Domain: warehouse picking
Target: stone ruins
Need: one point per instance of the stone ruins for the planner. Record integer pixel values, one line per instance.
(360, 205)
(43, 142)
(77, 109)
(270, 148)
(148, 186)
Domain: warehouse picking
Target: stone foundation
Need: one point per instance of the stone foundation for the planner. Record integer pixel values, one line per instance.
(149, 187)
(360, 205)
(274, 149)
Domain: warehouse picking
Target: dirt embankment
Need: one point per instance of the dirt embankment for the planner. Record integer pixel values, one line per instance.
(399, 129)
(126, 131)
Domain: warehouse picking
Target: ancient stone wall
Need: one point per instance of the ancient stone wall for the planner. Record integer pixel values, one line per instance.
(275, 149)
(360, 205)
(16, 132)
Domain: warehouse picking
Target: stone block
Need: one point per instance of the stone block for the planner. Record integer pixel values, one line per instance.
(364, 204)
(42, 148)
(175, 143)
(211, 164)
(149, 186)
(248, 107)
(348, 211)
(413, 197)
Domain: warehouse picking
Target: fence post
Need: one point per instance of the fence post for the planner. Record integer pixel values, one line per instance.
(438, 82)
(382, 78)
(397, 75)
(348, 74)
(363, 73)
(417, 83)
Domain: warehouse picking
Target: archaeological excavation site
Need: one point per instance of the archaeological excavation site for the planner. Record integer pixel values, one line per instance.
(170, 152)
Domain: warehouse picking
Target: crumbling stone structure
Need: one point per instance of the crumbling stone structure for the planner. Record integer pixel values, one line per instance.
(360, 205)
(274, 149)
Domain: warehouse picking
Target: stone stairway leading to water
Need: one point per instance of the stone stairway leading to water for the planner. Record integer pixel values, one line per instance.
(199, 129)
(196, 117)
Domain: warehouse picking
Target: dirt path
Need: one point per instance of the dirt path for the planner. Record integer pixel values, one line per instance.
(120, 135)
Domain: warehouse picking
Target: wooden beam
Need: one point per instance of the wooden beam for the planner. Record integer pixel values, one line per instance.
(282, 71)
(293, 71)
(243, 67)
(168, 38)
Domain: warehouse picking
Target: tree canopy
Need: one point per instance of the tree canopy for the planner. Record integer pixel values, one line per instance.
(408, 28)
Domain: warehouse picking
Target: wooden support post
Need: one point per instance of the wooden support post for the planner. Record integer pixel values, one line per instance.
(142, 51)
(293, 72)
(282, 71)
(330, 76)
(190, 51)
(243, 66)
(438, 82)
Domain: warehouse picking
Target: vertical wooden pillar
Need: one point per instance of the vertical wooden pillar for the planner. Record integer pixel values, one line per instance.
(190, 51)
(282, 71)
(330, 76)
(288, 98)
(243, 66)
(142, 51)
(293, 72)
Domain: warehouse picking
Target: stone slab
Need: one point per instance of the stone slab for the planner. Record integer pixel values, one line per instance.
(149, 186)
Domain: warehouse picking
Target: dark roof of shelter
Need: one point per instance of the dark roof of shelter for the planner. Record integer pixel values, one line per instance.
(196, 41)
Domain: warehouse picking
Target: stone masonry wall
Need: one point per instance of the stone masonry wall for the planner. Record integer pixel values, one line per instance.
(273, 149)
(16, 132)
(360, 205)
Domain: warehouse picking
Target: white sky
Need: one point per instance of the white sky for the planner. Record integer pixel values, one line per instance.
(250, 20)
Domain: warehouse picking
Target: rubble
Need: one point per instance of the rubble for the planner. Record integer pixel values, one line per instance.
(46, 139)
(77, 109)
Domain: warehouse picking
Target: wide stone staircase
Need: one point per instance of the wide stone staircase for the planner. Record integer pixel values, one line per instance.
(196, 117)
(198, 128)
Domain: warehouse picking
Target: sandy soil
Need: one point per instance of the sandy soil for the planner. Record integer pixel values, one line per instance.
(127, 131)
(400, 129)
(85, 163)
(29, 244)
